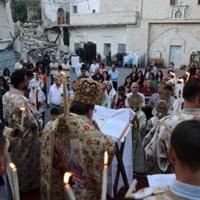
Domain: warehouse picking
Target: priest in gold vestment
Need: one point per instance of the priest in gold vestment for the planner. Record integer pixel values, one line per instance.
(74, 144)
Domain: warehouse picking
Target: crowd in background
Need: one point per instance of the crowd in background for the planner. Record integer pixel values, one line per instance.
(150, 93)
(45, 88)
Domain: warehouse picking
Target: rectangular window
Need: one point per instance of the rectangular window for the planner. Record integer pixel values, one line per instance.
(107, 49)
(173, 2)
(198, 2)
(121, 48)
(75, 9)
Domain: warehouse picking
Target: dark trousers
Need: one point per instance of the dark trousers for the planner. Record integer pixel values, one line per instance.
(52, 79)
(60, 108)
(115, 85)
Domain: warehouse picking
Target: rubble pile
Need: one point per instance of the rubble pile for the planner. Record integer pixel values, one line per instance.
(34, 40)
(33, 36)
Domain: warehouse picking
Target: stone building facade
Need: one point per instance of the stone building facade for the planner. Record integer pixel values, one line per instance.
(166, 30)
(105, 23)
(55, 12)
(6, 24)
(7, 56)
(163, 30)
(172, 29)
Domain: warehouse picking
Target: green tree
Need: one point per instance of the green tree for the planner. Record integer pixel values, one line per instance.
(19, 10)
(34, 3)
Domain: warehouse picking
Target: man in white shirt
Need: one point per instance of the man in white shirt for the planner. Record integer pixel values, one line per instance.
(135, 90)
(93, 67)
(55, 96)
(19, 64)
(53, 66)
(66, 67)
(114, 74)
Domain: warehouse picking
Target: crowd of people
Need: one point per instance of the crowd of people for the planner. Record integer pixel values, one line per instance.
(45, 140)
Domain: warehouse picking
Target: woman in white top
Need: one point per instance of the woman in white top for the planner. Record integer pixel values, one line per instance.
(110, 91)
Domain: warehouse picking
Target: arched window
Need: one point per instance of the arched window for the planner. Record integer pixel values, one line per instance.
(61, 16)
(178, 14)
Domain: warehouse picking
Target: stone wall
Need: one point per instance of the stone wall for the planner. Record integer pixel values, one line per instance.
(162, 37)
(50, 11)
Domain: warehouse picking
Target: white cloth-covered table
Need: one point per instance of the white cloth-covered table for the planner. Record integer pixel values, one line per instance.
(122, 115)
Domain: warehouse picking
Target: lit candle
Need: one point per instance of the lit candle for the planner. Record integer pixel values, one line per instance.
(23, 109)
(131, 189)
(15, 181)
(105, 174)
(188, 76)
(68, 189)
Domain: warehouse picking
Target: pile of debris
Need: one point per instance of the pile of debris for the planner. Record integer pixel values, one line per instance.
(36, 41)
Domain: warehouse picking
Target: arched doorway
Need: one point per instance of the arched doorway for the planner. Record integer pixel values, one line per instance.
(61, 16)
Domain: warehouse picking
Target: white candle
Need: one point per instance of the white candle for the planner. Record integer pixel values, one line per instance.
(131, 189)
(105, 175)
(23, 109)
(15, 181)
(68, 189)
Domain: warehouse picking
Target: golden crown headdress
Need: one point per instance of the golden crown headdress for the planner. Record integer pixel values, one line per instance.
(87, 91)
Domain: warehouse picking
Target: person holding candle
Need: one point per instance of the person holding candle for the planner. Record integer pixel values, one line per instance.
(76, 146)
(8, 178)
(26, 153)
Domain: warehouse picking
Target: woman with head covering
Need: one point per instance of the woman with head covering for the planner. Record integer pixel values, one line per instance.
(110, 91)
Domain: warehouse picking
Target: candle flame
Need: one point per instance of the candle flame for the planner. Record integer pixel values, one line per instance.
(67, 177)
(105, 158)
(13, 167)
(22, 109)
